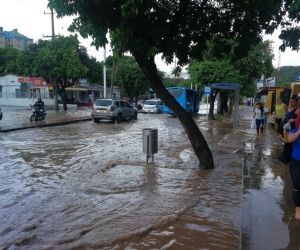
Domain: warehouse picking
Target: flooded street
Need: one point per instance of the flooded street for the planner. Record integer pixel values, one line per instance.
(87, 186)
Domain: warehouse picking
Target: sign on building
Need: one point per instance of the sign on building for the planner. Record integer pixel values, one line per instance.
(259, 84)
(271, 82)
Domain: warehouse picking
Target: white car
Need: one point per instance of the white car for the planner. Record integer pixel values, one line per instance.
(152, 106)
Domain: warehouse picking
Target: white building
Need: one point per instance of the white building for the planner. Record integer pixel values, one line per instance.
(23, 91)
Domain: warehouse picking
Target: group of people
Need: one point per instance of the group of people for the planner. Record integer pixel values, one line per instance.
(288, 122)
(284, 114)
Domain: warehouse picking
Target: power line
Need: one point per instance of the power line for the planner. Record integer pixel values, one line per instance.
(44, 3)
(29, 5)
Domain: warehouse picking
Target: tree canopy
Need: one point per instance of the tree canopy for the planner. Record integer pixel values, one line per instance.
(178, 29)
(130, 77)
(7, 58)
(220, 67)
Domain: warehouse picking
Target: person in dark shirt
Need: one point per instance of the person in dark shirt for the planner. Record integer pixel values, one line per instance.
(41, 106)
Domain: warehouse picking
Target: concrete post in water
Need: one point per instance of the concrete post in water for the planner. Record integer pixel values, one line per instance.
(150, 143)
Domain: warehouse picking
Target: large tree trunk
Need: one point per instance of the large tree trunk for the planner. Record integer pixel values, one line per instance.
(196, 138)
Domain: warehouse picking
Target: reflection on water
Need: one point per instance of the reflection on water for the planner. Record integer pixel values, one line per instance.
(267, 207)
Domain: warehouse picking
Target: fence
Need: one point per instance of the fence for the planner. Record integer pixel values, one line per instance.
(25, 95)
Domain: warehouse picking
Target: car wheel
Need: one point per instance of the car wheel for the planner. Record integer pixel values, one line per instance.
(119, 118)
(96, 120)
(135, 116)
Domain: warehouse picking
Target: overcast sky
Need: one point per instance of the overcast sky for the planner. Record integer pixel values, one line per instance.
(28, 17)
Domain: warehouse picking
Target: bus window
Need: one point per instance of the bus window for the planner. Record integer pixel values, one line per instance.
(176, 92)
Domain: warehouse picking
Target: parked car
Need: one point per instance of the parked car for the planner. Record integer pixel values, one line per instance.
(152, 106)
(113, 109)
(1, 115)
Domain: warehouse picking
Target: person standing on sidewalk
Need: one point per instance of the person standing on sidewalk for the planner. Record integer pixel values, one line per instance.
(280, 111)
(266, 112)
(259, 115)
(294, 167)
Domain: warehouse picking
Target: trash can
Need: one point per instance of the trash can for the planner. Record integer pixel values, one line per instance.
(150, 141)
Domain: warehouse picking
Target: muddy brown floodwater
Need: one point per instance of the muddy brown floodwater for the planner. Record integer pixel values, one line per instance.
(87, 186)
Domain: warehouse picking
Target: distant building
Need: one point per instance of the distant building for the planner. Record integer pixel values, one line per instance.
(13, 39)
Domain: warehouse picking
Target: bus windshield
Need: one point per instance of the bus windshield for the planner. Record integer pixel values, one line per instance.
(176, 92)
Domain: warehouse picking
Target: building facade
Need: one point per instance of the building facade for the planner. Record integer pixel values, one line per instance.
(13, 39)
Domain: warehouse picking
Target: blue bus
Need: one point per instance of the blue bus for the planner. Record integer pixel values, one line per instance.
(187, 98)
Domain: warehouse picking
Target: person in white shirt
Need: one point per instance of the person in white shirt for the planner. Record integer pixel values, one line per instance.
(259, 115)
(266, 111)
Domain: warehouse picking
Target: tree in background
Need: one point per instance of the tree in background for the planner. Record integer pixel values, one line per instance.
(287, 75)
(176, 29)
(57, 59)
(130, 77)
(94, 72)
(221, 65)
(209, 72)
(7, 59)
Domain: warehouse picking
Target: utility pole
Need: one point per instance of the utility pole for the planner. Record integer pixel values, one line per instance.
(56, 107)
(52, 22)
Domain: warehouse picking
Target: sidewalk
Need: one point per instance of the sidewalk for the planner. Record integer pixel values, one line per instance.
(268, 211)
(51, 123)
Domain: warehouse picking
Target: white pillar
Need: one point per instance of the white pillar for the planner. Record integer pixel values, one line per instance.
(104, 72)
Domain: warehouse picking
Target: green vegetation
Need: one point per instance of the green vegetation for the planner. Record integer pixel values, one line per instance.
(179, 29)
(58, 60)
(7, 58)
(220, 67)
(287, 75)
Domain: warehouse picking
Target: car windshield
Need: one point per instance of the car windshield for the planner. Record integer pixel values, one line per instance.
(100, 102)
(150, 102)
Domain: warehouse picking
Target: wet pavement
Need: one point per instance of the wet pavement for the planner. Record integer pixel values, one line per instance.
(86, 186)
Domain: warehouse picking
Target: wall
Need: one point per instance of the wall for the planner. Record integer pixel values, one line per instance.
(49, 103)
(10, 84)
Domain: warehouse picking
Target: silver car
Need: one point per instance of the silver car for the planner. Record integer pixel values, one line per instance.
(113, 109)
(152, 106)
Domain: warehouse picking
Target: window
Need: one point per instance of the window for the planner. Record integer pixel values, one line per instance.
(176, 92)
(127, 105)
(117, 103)
(122, 104)
(100, 102)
